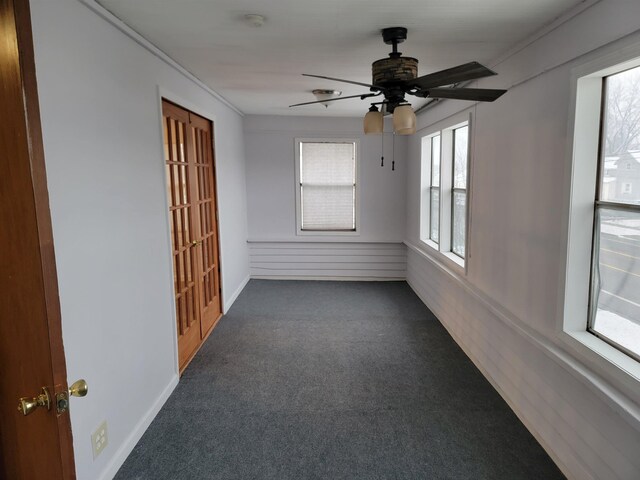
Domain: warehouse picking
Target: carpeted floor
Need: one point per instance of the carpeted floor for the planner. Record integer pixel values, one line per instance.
(334, 380)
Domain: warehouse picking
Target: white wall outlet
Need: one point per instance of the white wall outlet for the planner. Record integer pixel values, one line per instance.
(99, 439)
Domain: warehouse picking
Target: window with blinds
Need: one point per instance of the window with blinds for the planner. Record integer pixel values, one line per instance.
(327, 185)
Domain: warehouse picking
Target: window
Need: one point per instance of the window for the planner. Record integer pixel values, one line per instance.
(614, 313)
(459, 207)
(434, 219)
(443, 216)
(602, 223)
(326, 186)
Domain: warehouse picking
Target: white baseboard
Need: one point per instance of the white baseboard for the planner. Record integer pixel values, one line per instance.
(228, 302)
(134, 437)
(512, 405)
(332, 278)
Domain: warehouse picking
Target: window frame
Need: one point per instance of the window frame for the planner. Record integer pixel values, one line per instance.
(433, 188)
(599, 205)
(443, 248)
(455, 189)
(583, 155)
(298, 185)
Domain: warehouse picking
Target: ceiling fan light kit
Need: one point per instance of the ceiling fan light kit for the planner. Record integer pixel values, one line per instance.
(397, 76)
(373, 121)
(404, 120)
(324, 95)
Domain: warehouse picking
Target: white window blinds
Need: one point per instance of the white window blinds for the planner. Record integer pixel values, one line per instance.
(328, 185)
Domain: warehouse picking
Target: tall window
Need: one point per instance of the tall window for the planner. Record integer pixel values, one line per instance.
(326, 194)
(443, 216)
(614, 310)
(434, 219)
(459, 198)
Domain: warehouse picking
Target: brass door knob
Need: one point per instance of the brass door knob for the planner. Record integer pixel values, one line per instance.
(28, 405)
(79, 388)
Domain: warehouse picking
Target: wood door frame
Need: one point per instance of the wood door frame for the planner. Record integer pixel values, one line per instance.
(38, 194)
(172, 97)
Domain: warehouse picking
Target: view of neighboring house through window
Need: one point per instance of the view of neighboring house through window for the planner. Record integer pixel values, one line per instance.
(443, 214)
(326, 172)
(615, 275)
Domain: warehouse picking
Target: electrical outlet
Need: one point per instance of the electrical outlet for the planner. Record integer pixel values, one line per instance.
(99, 439)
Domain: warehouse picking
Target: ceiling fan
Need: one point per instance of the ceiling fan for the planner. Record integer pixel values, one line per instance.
(397, 76)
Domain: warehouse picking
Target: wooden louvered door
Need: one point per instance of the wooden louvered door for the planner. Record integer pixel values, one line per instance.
(188, 151)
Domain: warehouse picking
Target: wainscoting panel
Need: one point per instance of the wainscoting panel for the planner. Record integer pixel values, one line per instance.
(328, 260)
(561, 409)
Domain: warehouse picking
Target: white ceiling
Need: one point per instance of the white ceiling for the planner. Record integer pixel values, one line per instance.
(258, 69)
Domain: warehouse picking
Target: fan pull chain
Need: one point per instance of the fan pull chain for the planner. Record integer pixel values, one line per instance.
(393, 156)
(382, 151)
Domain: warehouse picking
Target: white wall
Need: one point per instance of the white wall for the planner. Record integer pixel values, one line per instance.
(506, 311)
(276, 250)
(103, 147)
(100, 111)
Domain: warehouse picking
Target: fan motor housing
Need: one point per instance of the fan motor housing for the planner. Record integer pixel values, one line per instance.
(388, 71)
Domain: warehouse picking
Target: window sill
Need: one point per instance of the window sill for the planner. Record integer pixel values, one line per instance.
(324, 233)
(449, 259)
(454, 258)
(431, 244)
(607, 361)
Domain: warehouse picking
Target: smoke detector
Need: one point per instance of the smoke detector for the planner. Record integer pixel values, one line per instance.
(254, 19)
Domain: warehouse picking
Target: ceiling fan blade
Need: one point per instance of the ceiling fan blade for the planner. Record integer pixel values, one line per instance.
(476, 94)
(363, 96)
(461, 73)
(345, 81)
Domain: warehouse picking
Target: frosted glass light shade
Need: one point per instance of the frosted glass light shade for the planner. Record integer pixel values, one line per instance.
(373, 122)
(404, 120)
(326, 95)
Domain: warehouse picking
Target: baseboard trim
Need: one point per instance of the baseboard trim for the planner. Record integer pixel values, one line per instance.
(512, 405)
(228, 302)
(134, 437)
(329, 278)
(609, 393)
(319, 239)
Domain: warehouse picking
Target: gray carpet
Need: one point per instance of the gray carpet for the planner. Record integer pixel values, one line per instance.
(334, 380)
